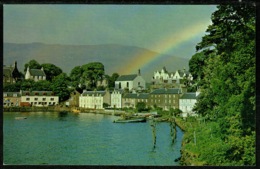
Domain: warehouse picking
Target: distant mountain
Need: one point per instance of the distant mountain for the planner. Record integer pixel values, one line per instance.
(68, 56)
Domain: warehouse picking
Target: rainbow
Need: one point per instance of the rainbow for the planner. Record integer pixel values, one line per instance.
(170, 42)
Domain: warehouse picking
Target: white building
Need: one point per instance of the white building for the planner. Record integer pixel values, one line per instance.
(130, 82)
(35, 74)
(39, 98)
(94, 99)
(116, 99)
(187, 102)
(164, 77)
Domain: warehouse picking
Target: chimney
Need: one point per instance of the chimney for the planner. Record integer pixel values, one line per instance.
(139, 72)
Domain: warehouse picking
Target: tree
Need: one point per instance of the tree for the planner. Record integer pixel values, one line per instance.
(42, 85)
(228, 85)
(51, 70)
(76, 76)
(33, 64)
(112, 80)
(92, 72)
(141, 106)
(60, 86)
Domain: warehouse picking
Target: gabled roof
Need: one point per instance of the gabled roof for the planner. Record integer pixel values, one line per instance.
(167, 91)
(37, 72)
(95, 93)
(127, 77)
(189, 96)
(38, 93)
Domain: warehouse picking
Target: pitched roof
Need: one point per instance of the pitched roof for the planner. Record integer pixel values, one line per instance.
(37, 72)
(11, 94)
(126, 77)
(38, 93)
(95, 93)
(189, 96)
(167, 91)
(136, 95)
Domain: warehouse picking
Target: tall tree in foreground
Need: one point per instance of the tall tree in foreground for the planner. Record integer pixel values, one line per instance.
(228, 85)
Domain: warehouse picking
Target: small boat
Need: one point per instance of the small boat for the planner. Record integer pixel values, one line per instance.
(137, 120)
(20, 118)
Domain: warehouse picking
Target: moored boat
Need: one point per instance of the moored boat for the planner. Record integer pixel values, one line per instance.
(135, 120)
(20, 118)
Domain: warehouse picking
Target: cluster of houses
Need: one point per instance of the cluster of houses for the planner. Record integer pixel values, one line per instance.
(167, 92)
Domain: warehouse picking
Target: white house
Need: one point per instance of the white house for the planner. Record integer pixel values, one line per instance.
(187, 102)
(134, 81)
(39, 98)
(116, 99)
(164, 77)
(94, 99)
(35, 74)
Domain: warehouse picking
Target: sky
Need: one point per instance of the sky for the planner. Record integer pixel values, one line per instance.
(166, 29)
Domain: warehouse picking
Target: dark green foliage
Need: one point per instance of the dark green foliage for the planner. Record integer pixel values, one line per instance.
(227, 81)
(51, 70)
(141, 106)
(112, 80)
(92, 73)
(60, 86)
(76, 76)
(33, 64)
(106, 105)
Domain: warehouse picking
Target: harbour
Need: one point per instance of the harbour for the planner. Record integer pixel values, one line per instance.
(53, 138)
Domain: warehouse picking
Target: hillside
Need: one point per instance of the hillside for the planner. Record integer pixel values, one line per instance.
(68, 56)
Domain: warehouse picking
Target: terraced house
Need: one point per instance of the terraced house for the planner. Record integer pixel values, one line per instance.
(187, 102)
(131, 99)
(94, 99)
(39, 98)
(11, 99)
(165, 98)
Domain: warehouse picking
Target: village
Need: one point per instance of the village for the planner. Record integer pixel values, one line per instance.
(166, 91)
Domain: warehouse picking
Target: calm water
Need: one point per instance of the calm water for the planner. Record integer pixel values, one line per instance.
(85, 139)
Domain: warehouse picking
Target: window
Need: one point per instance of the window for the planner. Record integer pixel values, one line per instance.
(127, 84)
(35, 99)
(43, 99)
(52, 99)
(27, 99)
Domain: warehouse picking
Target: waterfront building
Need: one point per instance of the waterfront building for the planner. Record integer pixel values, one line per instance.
(165, 98)
(116, 98)
(39, 98)
(130, 82)
(94, 99)
(35, 74)
(11, 99)
(74, 99)
(10, 74)
(187, 102)
(131, 99)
